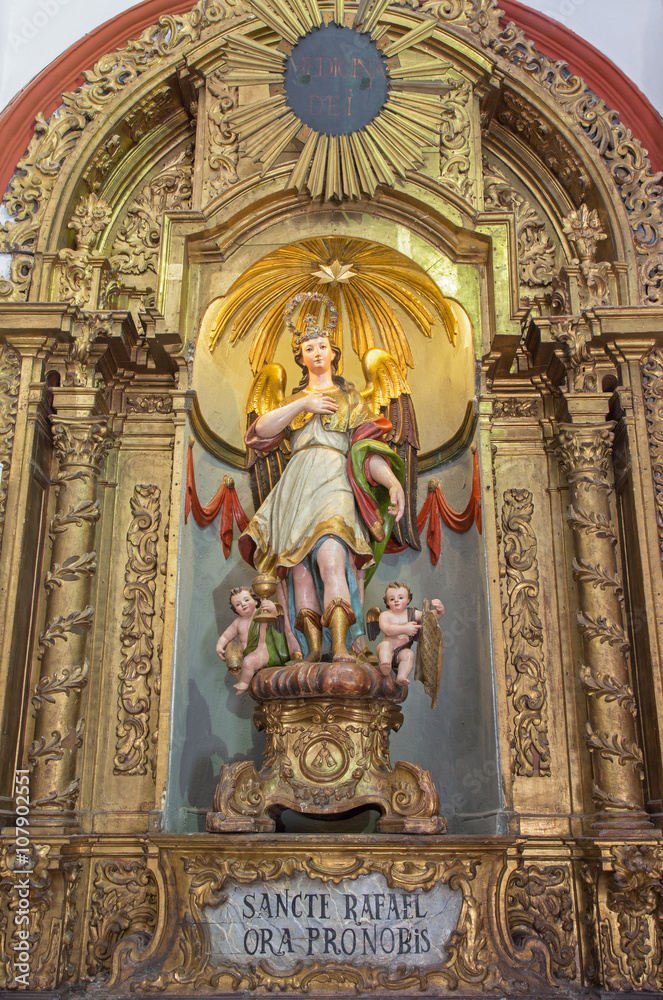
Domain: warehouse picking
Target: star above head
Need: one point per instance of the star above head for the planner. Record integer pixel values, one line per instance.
(334, 273)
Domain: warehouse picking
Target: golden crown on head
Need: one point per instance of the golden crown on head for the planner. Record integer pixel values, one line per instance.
(311, 327)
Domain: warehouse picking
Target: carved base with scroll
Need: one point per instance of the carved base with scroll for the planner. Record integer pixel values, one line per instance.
(327, 752)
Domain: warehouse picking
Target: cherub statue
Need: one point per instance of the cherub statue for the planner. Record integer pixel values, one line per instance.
(330, 515)
(400, 624)
(248, 642)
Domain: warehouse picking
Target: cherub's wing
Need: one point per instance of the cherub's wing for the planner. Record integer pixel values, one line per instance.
(387, 393)
(266, 393)
(372, 626)
(430, 652)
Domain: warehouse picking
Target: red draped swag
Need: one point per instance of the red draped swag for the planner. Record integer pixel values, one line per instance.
(435, 510)
(438, 510)
(225, 501)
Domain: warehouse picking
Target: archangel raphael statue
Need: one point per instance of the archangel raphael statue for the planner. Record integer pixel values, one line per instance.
(342, 486)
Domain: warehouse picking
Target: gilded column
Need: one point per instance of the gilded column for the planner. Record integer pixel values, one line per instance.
(617, 761)
(81, 438)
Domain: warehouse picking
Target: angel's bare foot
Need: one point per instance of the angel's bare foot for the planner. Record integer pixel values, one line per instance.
(385, 668)
(241, 687)
(402, 680)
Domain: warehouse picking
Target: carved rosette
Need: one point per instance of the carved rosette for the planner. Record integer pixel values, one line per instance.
(584, 456)
(10, 370)
(137, 635)
(526, 679)
(81, 444)
(652, 382)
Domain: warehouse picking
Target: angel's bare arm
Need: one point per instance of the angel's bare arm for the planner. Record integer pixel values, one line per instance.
(230, 633)
(389, 627)
(272, 423)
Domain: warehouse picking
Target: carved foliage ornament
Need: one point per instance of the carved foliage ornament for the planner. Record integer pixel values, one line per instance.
(652, 381)
(632, 939)
(136, 246)
(526, 680)
(134, 699)
(540, 905)
(124, 902)
(536, 252)
(10, 368)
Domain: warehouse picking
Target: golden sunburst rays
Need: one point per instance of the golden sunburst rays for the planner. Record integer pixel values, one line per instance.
(369, 285)
(334, 160)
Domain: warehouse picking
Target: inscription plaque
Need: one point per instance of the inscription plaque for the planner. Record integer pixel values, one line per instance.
(363, 921)
(336, 80)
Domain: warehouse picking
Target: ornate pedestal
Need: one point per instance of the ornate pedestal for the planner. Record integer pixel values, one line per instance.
(327, 752)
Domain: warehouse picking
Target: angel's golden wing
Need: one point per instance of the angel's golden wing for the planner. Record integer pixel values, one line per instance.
(372, 626)
(430, 652)
(266, 393)
(388, 393)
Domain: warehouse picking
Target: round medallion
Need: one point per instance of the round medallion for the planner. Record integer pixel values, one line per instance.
(324, 759)
(336, 80)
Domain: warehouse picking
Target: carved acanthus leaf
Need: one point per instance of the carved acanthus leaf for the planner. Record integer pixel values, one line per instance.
(54, 749)
(17, 286)
(124, 902)
(536, 252)
(71, 680)
(577, 355)
(10, 369)
(600, 628)
(512, 407)
(455, 141)
(71, 569)
(608, 687)
(136, 246)
(82, 442)
(540, 904)
(585, 572)
(87, 511)
(592, 523)
(62, 801)
(149, 404)
(90, 218)
(652, 383)
(222, 142)
(526, 682)
(77, 622)
(134, 697)
(614, 746)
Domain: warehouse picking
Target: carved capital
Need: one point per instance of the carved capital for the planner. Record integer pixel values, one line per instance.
(82, 441)
(583, 452)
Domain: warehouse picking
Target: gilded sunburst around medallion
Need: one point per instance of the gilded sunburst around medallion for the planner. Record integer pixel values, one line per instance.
(369, 284)
(338, 89)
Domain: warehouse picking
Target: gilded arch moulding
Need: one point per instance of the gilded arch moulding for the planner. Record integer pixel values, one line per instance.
(594, 130)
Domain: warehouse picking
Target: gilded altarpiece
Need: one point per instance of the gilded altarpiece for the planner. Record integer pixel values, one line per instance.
(187, 173)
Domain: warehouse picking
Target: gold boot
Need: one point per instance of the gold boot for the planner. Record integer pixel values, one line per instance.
(338, 618)
(308, 622)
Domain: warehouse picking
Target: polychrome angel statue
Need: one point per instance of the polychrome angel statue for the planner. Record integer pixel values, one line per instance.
(329, 517)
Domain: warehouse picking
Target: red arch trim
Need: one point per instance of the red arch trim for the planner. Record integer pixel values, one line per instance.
(552, 38)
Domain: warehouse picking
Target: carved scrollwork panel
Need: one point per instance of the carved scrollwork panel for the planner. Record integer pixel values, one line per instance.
(652, 381)
(222, 142)
(540, 904)
(136, 246)
(124, 902)
(536, 251)
(526, 680)
(10, 368)
(455, 141)
(137, 635)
